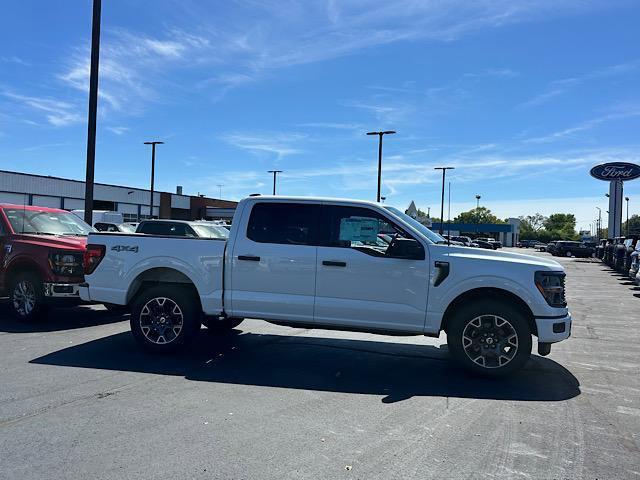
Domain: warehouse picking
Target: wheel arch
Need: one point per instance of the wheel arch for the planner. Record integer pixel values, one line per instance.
(21, 265)
(494, 293)
(161, 276)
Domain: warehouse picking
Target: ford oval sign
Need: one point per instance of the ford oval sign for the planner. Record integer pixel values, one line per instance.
(616, 171)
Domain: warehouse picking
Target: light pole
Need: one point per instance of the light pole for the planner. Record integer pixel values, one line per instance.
(275, 172)
(478, 201)
(380, 135)
(599, 221)
(153, 170)
(444, 172)
(627, 199)
(93, 112)
(220, 190)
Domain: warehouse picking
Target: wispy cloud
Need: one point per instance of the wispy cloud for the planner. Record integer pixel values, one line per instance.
(57, 113)
(14, 59)
(584, 126)
(118, 130)
(564, 85)
(278, 144)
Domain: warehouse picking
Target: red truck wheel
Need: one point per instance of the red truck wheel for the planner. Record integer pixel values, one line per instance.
(26, 297)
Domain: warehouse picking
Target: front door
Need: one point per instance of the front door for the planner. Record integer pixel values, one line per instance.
(371, 273)
(274, 262)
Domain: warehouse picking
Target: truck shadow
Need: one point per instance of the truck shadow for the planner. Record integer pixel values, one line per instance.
(395, 371)
(58, 319)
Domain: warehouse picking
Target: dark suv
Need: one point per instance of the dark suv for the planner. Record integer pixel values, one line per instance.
(572, 249)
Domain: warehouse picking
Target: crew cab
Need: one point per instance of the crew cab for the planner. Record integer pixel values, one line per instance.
(41, 258)
(318, 263)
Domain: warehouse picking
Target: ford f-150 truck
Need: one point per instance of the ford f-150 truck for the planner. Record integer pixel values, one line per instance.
(41, 258)
(319, 263)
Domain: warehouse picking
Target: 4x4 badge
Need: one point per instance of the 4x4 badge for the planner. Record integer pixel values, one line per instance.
(125, 248)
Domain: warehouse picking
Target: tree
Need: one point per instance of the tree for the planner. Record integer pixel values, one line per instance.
(561, 226)
(634, 225)
(531, 226)
(477, 215)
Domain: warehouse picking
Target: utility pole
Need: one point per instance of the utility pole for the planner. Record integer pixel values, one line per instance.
(275, 172)
(93, 113)
(444, 172)
(153, 170)
(627, 199)
(380, 135)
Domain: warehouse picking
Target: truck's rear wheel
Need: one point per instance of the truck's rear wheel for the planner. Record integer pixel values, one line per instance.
(489, 337)
(165, 318)
(26, 297)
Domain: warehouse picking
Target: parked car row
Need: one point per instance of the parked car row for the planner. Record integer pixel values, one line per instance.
(622, 254)
(487, 243)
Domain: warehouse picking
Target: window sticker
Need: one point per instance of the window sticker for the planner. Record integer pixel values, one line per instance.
(358, 229)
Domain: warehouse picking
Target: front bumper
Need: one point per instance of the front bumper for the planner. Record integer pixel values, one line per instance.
(62, 290)
(554, 329)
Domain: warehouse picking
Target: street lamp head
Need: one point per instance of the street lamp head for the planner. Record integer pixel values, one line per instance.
(386, 132)
(626, 198)
(154, 143)
(274, 171)
(478, 197)
(606, 195)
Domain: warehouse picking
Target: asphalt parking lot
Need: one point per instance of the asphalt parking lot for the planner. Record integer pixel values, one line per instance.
(79, 400)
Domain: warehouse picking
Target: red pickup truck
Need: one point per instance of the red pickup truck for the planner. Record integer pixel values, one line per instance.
(41, 258)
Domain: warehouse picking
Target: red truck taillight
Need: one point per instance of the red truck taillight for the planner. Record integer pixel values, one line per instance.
(93, 255)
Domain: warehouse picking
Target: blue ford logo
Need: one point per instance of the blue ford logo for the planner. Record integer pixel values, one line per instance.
(616, 171)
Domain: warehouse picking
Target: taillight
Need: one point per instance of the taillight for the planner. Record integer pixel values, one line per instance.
(93, 255)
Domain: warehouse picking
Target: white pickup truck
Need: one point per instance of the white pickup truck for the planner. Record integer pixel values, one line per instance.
(332, 264)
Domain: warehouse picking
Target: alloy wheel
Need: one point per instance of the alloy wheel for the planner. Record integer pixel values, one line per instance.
(161, 320)
(24, 298)
(490, 341)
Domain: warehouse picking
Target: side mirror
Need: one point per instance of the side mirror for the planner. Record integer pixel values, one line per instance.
(406, 248)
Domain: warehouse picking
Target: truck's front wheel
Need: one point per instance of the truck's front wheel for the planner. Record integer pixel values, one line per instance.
(489, 337)
(26, 297)
(165, 319)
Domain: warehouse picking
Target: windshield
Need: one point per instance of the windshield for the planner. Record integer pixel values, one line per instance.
(126, 228)
(210, 231)
(47, 223)
(434, 237)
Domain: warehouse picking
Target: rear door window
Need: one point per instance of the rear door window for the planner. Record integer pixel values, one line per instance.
(284, 223)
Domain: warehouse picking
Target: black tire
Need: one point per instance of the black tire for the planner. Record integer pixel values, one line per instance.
(218, 327)
(170, 312)
(488, 342)
(21, 287)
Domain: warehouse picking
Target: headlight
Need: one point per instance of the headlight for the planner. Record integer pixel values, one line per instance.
(67, 264)
(551, 286)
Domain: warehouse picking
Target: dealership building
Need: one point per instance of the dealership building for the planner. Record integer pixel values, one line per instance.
(45, 191)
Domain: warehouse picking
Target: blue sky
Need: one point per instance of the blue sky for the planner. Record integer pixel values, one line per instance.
(521, 97)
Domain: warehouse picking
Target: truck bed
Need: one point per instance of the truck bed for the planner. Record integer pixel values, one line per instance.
(131, 259)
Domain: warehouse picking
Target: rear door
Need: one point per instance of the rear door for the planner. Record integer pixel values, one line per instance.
(274, 262)
(365, 282)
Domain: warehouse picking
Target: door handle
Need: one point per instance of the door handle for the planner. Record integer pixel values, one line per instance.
(330, 263)
(251, 258)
